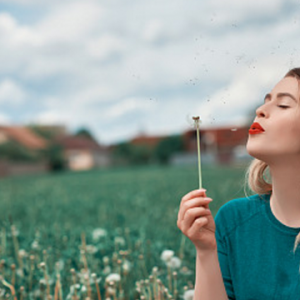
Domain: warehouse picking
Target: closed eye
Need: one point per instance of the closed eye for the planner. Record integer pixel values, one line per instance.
(283, 106)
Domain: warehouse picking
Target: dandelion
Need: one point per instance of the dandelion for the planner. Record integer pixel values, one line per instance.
(126, 265)
(98, 233)
(167, 255)
(35, 245)
(174, 262)
(22, 253)
(107, 270)
(113, 277)
(91, 249)
(188, 295)
(119, 241)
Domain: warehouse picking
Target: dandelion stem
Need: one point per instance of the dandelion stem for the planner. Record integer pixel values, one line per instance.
(197, 121)
(12, 289)
(3, 241)
(97, 287)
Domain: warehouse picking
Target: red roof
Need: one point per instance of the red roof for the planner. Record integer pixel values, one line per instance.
(24, 136)
(222, 137)
(79, 143)
(150, 141)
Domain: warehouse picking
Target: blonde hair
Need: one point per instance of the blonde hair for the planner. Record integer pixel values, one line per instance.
(258, 176)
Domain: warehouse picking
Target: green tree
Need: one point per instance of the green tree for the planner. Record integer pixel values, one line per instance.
(55, 157)
(13, 151)
(85, 133)
(167, 147)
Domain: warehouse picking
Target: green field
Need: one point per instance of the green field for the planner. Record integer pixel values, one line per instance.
(55, 216)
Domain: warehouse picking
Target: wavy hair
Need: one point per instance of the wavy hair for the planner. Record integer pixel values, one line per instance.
(258, 177)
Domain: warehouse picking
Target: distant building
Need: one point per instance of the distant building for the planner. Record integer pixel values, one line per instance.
(149, 141)
(22, 135)
(218, 145)
(83, 153)
(31, 142)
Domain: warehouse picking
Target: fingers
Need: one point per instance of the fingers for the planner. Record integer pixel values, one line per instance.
(196, 202)
(196, 227)
(193, 194)
(196, 214)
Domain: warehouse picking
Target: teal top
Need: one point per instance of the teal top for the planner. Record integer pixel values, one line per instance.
(255, 251)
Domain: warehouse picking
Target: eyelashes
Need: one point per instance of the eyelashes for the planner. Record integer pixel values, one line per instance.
(283, 106)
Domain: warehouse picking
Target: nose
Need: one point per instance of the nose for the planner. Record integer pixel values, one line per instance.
(261, 112)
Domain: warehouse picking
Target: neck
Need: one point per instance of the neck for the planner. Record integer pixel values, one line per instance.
(285, 198)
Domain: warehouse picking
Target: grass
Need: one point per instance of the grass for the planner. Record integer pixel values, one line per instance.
(55, 216)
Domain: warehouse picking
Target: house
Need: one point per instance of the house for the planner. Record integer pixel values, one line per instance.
(28, 140)
(83, 153)
(218, 145)
(149, 141)
(23, 136)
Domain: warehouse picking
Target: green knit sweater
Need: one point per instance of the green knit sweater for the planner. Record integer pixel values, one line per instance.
(255, 251)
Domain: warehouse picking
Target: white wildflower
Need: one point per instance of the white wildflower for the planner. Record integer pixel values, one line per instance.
(111, 291)
(98, 233)
(84, 276)
(14, 231)
(83, 289)
(20, 272)
(22, 253)
(167, 255)
(73, 288)
(119, 240)
(107, 270)
(60, 264)
(126, 265)
(113, 277)
(188, 295)
(91, 249)
(35, 245)
(105, 260)
(174, 262)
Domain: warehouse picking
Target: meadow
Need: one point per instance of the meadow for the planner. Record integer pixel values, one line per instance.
(103, 234)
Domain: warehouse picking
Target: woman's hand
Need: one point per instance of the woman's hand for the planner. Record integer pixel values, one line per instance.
(196, 221)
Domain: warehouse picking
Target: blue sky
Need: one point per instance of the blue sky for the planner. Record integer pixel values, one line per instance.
(122, 68)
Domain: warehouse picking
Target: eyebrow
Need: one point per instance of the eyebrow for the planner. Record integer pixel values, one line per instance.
(281, 95)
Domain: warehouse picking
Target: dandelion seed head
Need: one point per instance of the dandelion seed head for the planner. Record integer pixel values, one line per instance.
(91, 249)
(126, 265)
(107, 270)
(188, 295)
(174, 262)
(22, 253)
(98, 233)
(119, 240)
(105, 259)
(167, 255)
(113, 277)
(35, 245)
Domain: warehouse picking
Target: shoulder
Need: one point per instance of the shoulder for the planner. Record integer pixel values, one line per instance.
(238, 211)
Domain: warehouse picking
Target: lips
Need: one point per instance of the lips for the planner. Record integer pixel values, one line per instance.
(256, 128)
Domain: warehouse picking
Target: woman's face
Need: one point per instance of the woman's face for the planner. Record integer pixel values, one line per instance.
(279, 118)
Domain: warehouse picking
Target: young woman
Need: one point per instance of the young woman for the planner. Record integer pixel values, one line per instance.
(250, 250)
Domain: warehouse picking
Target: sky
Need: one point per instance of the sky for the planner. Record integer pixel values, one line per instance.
(125, 68)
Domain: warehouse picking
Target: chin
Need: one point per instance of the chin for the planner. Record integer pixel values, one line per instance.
(255, 151)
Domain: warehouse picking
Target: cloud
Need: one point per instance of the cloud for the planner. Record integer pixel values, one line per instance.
(11, 93)
(143, 66)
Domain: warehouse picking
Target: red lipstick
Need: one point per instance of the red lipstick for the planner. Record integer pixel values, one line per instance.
(256, 128)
